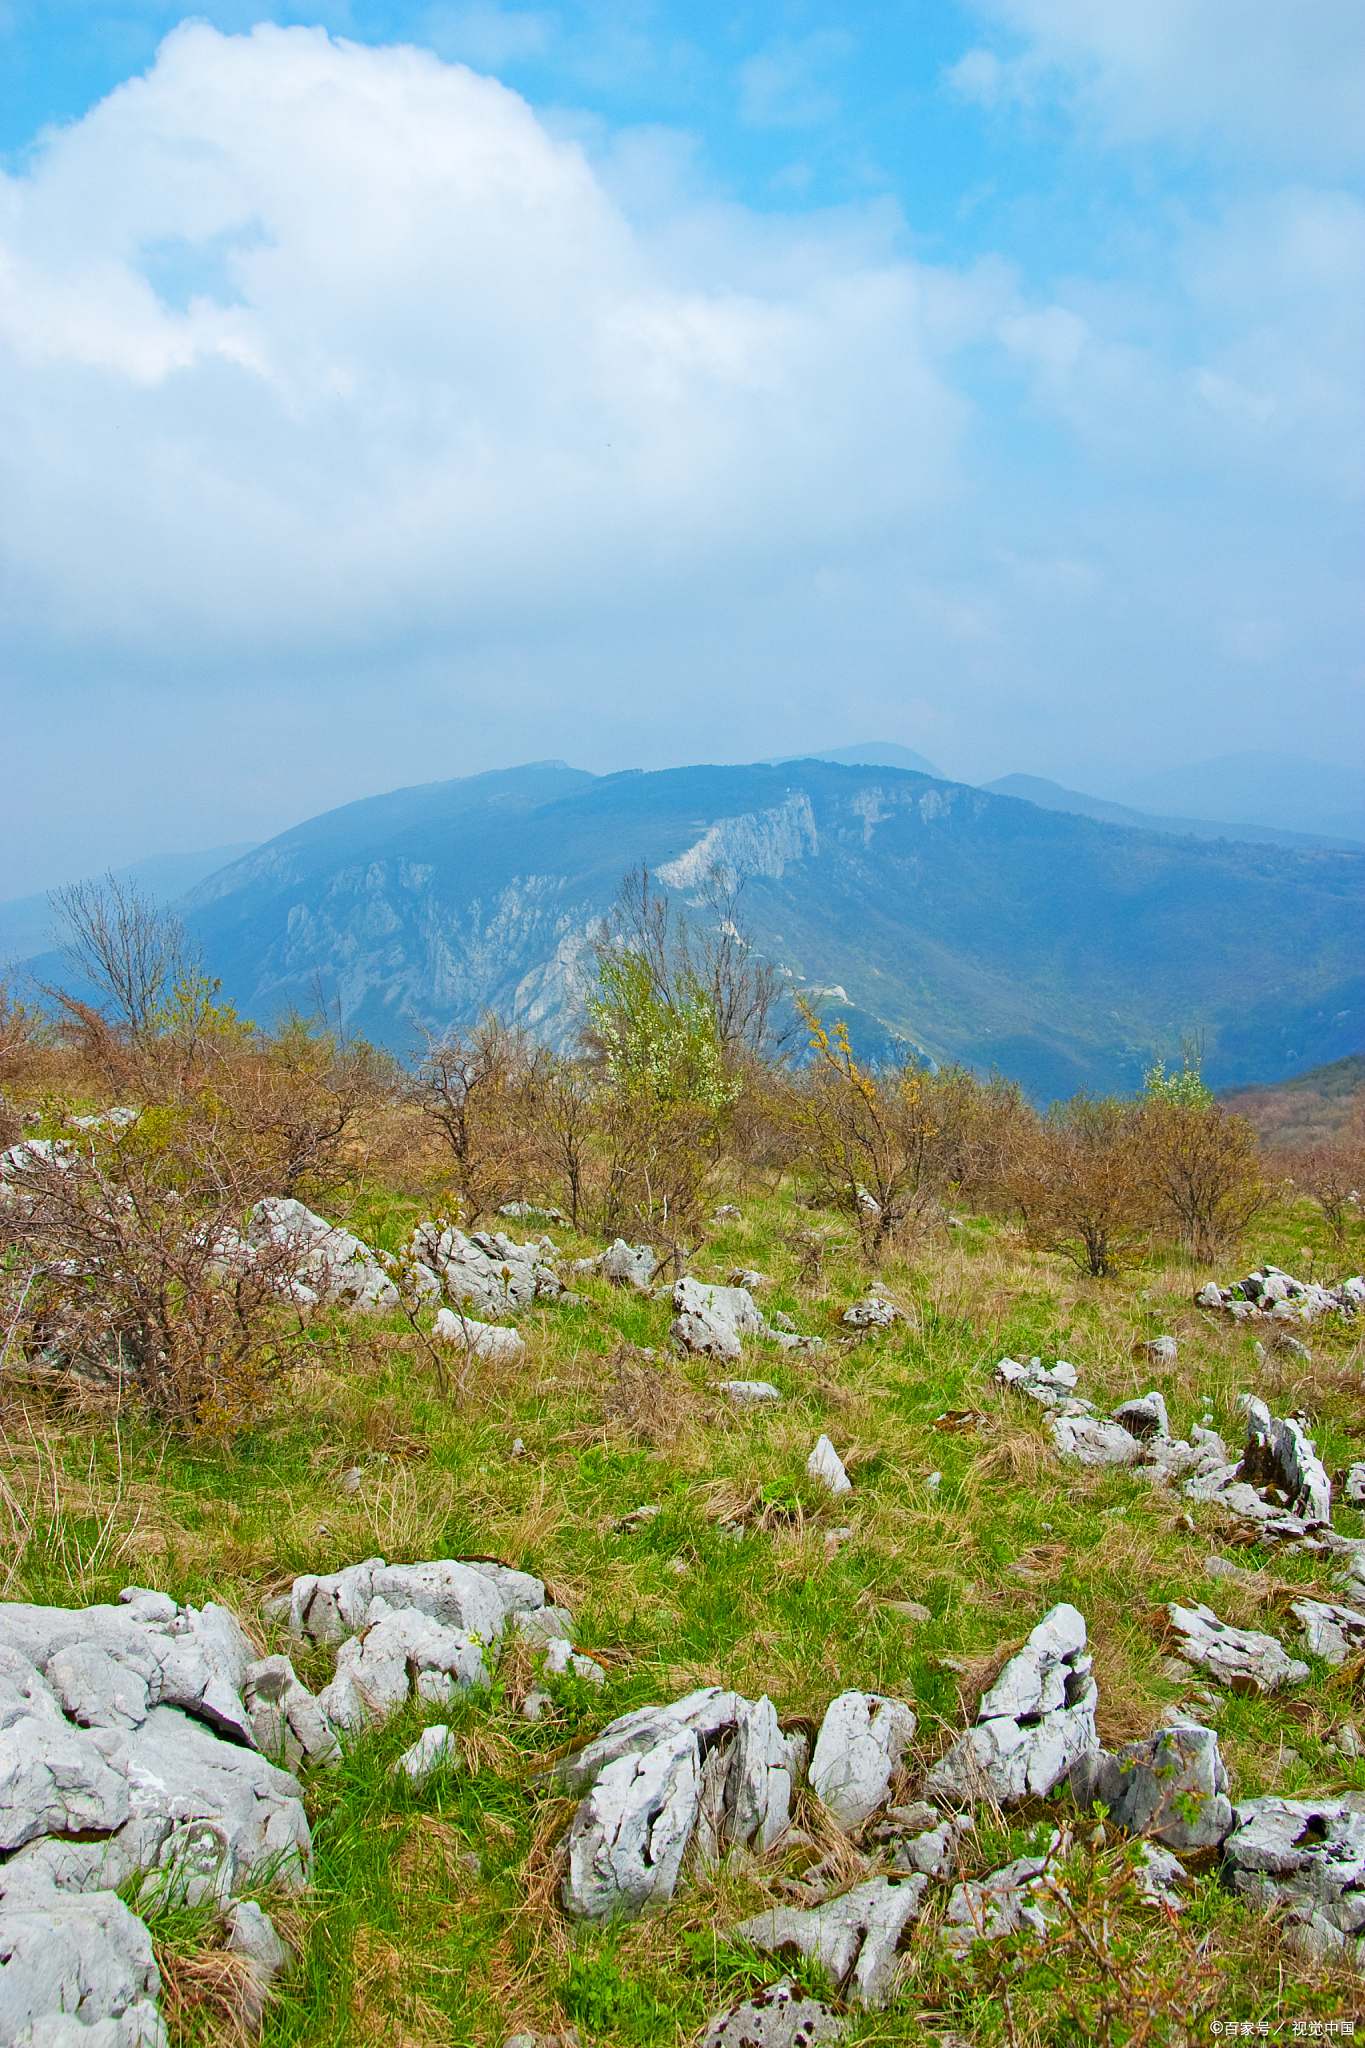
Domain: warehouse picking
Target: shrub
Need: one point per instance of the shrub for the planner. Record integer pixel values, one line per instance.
(1079, 1183)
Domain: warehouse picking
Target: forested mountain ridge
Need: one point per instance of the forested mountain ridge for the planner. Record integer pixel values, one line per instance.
(978, 927)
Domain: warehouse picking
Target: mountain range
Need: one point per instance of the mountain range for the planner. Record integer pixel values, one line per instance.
(1064, 949)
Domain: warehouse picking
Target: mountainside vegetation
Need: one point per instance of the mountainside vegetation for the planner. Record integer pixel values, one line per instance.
(1062, 951)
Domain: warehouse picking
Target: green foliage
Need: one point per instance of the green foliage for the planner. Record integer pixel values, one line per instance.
(661, 1048)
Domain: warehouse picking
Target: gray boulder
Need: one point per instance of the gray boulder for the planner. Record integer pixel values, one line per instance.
(1091, 1441)
(628, 1265)
(399, 1655)
(708, 1713)
(435, 1749)
(853, 1938)
(251, 1935)
(873, 1313)
(1333, 1632)
(860, 1745)
(475, 1598)
(326, 1263)
(1305, 1857)
(748, 1392)
(86, 1961)
(286, 1720)
(629, 1835)
(1172, 1786)
(487, 1270)
(1033, 1724)
(1144, 1416)
(777, 2017)
(825, 1465)
(989, 1908)
(710, 1321)
(1048, 1385)
(764, 1767)
(1242, 1659)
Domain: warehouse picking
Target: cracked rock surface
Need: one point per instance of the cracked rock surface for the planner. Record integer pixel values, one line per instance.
(1172, 1786)
(629, 1836)
(1034, 1723)
(779, 2016)
(853, 1938)
(861, 1741)
(1307, 1858)
(1331, 1631)
(487, 1269)
(1242, 1659)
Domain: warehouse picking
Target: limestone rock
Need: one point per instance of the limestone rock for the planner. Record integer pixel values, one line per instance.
(1047, 1385)
(861, 1741)
(1091, 1441)
(1280, 1480)
(434, 1748)
(935, 1851)
(55, 1780)
(629, 1265)
(251, 1935)
(561, 1657)
(1161, 1351)
(83, 1960)
(777, 2017)
(630, 1833)
(748, 1391)
(1156, 1876)
(1306, 1857)
(1355, 1486)
(475, 1597)
(873, 1313)
(330, 1263)
(486, 1271)
(481, 1340)
(375, 1671)
(1171, 1786)
(712, 1320)
(1032, 1725)
(1145, 1416)
(708, 1713)
(992, 1907)
(1242, 1659)
(853, 1938)
(825, 1464)
(286, 1720)
(764, 1767)
(1333, 1632)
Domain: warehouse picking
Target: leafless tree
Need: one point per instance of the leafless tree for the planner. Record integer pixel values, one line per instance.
(119, 940)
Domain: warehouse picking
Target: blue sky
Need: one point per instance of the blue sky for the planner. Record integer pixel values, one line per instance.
(639, 384)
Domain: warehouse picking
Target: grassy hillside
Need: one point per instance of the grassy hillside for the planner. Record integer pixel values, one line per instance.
(433, 1918)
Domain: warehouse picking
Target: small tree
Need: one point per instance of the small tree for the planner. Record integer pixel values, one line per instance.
(1201, 1162)
(874, 1142)
(482, 1095)
(132, 952)
(1078, 1181)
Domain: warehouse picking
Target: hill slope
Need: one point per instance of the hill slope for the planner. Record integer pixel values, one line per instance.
(980, 927)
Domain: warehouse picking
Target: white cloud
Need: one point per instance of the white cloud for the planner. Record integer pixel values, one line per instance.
(1283, 77)
(360, 429)
(451, 379)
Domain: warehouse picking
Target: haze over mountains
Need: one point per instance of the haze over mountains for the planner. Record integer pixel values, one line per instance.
(1065, 949)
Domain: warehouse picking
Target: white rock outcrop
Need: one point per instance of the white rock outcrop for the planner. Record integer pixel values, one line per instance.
(325, 1262)
(1172, 1786)
(778, 2016)
(1271, 1293)
(1331, 1631)
(482, 1340)
(710, 1321)
(1305, 1858)
(1033, 1724)
(1239, 1658)
(857, 1753)
(487, 1270)
(629, 1835)
(826, 1466)
(853, 1938)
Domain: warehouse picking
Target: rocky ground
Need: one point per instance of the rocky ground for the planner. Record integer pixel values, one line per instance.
(965, 1652)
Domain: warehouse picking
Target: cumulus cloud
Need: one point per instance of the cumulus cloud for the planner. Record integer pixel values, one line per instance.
(361, 429)
(429, 370)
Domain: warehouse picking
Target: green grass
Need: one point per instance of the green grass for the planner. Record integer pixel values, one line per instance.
(402, 1938)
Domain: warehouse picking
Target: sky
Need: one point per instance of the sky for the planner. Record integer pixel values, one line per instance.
(390, 392)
